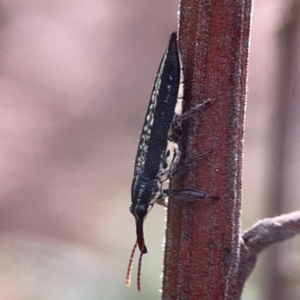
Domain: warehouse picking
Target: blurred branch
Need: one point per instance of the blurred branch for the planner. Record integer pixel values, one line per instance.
(270, 231)
(263, 234)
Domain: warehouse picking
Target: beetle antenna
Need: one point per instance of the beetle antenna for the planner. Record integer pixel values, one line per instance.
(130, 264)
(139, 272)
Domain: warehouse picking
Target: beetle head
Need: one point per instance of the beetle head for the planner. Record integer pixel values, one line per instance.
(144, 193)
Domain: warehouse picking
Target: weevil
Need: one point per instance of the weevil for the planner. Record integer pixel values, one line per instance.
(159, 151)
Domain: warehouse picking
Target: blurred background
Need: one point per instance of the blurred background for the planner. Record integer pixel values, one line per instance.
(75, 79)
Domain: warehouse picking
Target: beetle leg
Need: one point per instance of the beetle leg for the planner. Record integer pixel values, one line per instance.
(189, 194)
(175, 128)
(187, 166)
(192, 111)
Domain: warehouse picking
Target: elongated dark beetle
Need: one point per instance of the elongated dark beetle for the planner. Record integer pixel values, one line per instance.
(158, 150)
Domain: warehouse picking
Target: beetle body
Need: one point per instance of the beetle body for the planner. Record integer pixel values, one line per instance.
(158, 150)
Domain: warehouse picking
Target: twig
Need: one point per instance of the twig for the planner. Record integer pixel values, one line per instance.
(260, 236)
(271, 231)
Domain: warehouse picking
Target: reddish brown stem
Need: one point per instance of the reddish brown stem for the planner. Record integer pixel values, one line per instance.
(202, 238)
